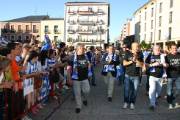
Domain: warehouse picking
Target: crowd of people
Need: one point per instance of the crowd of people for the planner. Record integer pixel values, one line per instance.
(31, 74)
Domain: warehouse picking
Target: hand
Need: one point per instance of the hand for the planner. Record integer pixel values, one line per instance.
(156, 64)
(15, 87)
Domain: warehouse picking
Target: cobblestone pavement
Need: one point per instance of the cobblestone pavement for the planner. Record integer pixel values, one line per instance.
(100, 109)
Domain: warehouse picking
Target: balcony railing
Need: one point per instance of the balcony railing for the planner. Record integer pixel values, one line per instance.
(35, 31)
(88, 12)
(47, 32)
(8, 31)
(28, 31)
(80, 31)
(57, 32)
(100, 12)
(71, 31)
(71, 12)
(71, 22)
(86, 22)
(20, 31)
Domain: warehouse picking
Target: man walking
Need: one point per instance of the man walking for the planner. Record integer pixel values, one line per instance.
(81, 87)
(110, 61)
(156, 63)
(133, 61)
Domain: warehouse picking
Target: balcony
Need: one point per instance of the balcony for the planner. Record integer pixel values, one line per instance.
(88, 32)
(71, 22)
(35, 31)
(71, 31)
(28, 31)
(57, 32)
(86, 22)
(5, 30)
(71, 12)
(101, 22)
(100, 12)
(20, 31)
(86, 12)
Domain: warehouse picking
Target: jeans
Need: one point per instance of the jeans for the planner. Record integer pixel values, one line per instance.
(170, 85)
(109, 81)
(155, 86)
(81, 88)
(2, 106)
(130, 88)
(93, 76)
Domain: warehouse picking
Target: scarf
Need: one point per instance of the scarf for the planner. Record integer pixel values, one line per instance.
(75, 65)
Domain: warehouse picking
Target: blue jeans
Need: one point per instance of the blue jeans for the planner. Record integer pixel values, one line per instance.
(130, 88)
(93, 76)
(170, 92)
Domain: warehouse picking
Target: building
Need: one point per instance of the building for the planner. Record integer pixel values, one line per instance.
(87, 22)
(158, 22)
(54, 28)
(127, 29)
(22, 29)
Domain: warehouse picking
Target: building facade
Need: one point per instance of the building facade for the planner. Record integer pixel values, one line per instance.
(54, 28)
(127, 29)
(87, 22)
(158, 22)
(22, 29)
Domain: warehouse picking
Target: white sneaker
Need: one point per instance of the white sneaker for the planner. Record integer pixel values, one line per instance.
(132, 107)
(26, 118)
(170, 106)
(125, 106)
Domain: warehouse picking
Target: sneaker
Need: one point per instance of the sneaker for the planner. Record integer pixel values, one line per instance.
(110, 99)
(78, 110)
(26, 118)
(132, 107)
(85, 103)
(125, 106)
(170, 106)
(152, 108)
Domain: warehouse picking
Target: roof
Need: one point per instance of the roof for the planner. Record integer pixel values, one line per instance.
(149, 1)
(55, 19)
(69, 3)
(29, 18)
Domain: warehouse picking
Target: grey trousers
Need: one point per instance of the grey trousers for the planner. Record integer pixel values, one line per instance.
(109, 80)
(81, 89)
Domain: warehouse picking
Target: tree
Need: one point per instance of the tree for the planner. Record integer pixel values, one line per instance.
(145, 45)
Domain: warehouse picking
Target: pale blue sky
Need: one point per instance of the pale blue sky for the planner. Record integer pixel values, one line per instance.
(120, 10)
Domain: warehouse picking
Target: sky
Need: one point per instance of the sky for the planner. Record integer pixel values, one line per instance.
(120, 10)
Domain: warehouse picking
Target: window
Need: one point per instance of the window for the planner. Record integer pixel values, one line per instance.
(12, 27)
(139, 18)
(19, 27)
(144, 36)
(160, 7)
(55, 28)
(171, 3)
(55, 38)
(145, 27)
(27, 27)
(34, 29)
(170, 17)
(151, 37)
(160, 20)
(46, 29)
(12, 37)
(27, 37)
(151, 24)
(19, 38)
(170, 33)
(159, 38)
(152, 12)
(145, 16)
